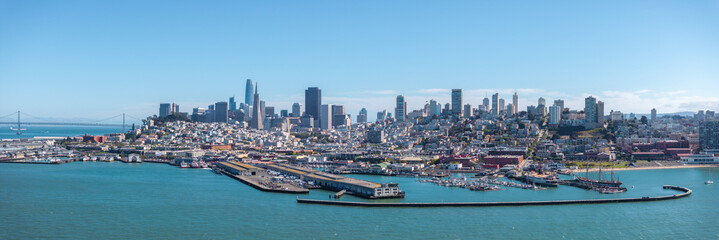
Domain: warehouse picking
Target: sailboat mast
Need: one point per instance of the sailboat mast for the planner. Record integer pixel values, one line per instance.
(587, 170)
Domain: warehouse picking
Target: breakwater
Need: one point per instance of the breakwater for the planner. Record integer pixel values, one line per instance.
(685, 192)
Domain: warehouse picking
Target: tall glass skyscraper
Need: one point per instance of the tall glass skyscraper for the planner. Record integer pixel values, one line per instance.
(248, 92)
(233, 104)
(515, 103)
(313, 102)
(590, 112)
(400, 111)
(495, 104)
(457, 102)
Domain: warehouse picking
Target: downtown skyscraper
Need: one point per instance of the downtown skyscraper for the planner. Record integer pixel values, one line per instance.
(400, 111)
(248, 92)
(457, 102)
(257, 116)
(515, 103)
(495, 104)
(313, 102)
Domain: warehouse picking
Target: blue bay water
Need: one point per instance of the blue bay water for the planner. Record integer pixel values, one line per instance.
(91, 200)
(55, 131)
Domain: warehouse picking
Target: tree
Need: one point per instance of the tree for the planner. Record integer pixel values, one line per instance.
(644, 120)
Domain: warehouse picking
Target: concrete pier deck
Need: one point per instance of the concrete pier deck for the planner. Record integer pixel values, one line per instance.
(257, 178)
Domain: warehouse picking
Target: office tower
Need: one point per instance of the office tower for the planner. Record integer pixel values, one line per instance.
(257, 117)
(541, 107)
(211, 107)
(307, 121)
(263, 109)
(233, 104)
(198, 115)
(376, 136)
(338, 109)
(468, 110)
(654, 114)
(709, 134)
(531, 109)
(247, 110)
(510, 109)
(269, 111)
(381, 116)
(435, 109)
(296, 109)
(340, 120)
(362, 116)
(485, 103)
(338, 115)
(600, 114)
(590, 112)
(221, 112)
(313, 102)
(501, 105)
(326, 117)
(515, 103)
(175, 108)
(284, 113)
(559, 103)
(248, 92)
(400, 110)
(554, 115)
(495, 104)
(457, 102)
(165, 109)
(710, 114)
(447, 109)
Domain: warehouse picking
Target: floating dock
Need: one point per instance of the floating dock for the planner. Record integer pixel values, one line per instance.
(685, 192)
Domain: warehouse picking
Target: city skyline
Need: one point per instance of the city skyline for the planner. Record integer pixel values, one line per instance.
(59, 56)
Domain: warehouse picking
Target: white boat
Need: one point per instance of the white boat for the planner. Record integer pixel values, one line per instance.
(542, 179)
(709, 182)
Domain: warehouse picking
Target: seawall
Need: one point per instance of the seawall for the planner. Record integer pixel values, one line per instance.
(685, 192)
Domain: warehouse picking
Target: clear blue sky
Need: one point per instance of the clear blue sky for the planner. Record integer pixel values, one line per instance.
(96, 59)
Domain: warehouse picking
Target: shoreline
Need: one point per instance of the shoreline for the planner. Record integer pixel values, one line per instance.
(646, 168)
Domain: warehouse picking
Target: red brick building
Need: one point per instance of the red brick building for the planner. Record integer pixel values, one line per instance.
(97, 139)
(502, 160)
(217, 147)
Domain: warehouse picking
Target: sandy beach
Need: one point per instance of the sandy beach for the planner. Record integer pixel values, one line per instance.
(647, 168)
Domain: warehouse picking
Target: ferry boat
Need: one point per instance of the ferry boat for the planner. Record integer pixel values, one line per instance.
(612, 190)
(542, 179)
(204, 165)
(195, 164)
(184, 165)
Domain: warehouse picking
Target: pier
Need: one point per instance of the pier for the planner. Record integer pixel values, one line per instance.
(685, 192)
(334, 182)
(257, 178)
